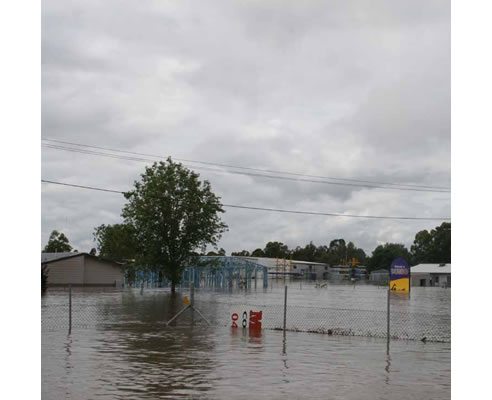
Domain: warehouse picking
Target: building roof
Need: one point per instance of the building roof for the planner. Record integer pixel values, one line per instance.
(279, 261)
(47, 257)
(307, 262)
(431, 269)
(55, 257)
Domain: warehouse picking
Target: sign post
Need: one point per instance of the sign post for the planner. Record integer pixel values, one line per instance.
(399, 282)
(388, 322)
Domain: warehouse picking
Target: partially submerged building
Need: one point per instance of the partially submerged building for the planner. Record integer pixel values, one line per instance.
(310, 269)
(286, 267)
(379, 276)
(81, 269)
(347, 272)
(431, 275)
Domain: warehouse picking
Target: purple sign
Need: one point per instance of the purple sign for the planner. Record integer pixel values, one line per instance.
(399, 269)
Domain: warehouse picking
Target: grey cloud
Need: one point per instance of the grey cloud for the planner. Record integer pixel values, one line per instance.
(351, 89)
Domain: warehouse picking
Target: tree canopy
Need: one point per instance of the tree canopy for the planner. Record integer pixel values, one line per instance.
(258, 253)
(433, 246)
(244, 253)
(173, 214)
(383, 256)
(221, 252)
(57, 243)
(116, 242)
(276, 250)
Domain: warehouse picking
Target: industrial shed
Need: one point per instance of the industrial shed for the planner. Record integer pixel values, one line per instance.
(379, 275)
(431, 275)
(81, 269)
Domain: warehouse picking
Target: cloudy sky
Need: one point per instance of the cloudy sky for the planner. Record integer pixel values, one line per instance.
(355, 90)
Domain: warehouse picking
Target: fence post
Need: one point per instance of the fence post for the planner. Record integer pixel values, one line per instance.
(388, 321)
(69, 309)
(285, 309)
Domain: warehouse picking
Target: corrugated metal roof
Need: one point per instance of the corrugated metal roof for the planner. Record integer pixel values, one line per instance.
(278, 261)
(431, 269)
(46, 257)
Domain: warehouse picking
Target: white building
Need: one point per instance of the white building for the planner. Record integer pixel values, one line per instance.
(282, 267)
(431, 275)
(310, 270)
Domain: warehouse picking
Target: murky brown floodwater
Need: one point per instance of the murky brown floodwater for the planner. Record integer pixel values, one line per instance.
(125, 351)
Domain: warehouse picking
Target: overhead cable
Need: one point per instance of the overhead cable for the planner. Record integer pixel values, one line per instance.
(245, 168)
(271, 209)
(221, 171)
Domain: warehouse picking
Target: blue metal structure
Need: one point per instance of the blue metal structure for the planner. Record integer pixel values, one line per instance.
(225, 272)
(210, 272)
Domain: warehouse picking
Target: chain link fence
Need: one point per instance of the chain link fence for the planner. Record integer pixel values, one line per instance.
(329, 321)
(343, 322)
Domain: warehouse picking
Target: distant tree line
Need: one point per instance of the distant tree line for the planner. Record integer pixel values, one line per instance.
(428, 247)
(338, 252)
(118, 242)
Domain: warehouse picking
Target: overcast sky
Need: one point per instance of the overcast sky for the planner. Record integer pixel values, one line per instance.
(347, 89)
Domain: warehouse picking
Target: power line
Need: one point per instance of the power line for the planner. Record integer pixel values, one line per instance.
(250, 168)
(215, 170)
(272, 209)
(82, 186)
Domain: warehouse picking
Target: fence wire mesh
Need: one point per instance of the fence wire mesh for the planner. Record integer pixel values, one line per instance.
(330, 321)
(344, 322)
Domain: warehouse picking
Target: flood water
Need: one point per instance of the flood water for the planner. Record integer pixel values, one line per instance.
(120, 348)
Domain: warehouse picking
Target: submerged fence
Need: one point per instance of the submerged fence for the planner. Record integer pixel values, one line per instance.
(346, 322)
(70, 316)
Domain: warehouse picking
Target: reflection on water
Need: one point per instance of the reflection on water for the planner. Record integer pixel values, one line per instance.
(388, 365)
(134, 355)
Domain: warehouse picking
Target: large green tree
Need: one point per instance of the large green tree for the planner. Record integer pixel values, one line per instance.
(116, 242)
(307, 253)
(57, 243)
(355, 252)
(383, 255)
(276, 250)
(433, 246)
(173, 214)
(337, 252)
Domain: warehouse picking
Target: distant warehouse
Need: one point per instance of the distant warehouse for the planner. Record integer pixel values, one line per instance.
(379, 275)
(431, 275)
(81, 269)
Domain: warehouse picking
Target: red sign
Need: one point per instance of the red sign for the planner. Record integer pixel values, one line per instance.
(254, 319)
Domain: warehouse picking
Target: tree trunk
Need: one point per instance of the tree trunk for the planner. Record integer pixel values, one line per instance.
(173, 286)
